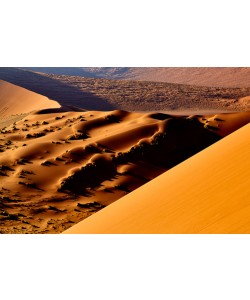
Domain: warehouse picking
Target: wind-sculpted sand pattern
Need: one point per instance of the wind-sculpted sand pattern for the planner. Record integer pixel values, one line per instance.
(59, 167)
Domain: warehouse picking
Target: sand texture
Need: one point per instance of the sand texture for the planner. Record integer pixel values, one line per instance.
(208, 193)
(16, 102)
(58, 168)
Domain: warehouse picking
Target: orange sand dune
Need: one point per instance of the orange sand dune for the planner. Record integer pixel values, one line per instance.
(226, 123)
(15, 100)
(58, 167)
(208, 193)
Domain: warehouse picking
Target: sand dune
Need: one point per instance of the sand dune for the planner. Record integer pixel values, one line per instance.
(61, 164)
(225, 124)
(16, 100)
(208, 193)
(58, 167)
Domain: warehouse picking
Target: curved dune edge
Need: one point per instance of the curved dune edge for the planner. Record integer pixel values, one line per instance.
(208, 193)
(17, 100)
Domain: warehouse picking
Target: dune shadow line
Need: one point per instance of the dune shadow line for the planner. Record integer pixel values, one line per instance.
(66, 95)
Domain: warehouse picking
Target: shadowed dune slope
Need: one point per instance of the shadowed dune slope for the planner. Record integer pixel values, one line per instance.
(53, 89)
(58, 167)
(208, 193)
(17, 100)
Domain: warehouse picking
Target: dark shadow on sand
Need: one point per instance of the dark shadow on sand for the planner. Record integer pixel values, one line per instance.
(66, 95)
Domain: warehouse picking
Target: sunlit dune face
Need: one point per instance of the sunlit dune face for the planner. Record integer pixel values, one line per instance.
(207, 193)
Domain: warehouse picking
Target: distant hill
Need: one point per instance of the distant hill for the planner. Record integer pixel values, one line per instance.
(107, 72)
(207, 76)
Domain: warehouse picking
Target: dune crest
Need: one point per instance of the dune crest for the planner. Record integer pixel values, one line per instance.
(15, 100)
(208, 193)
